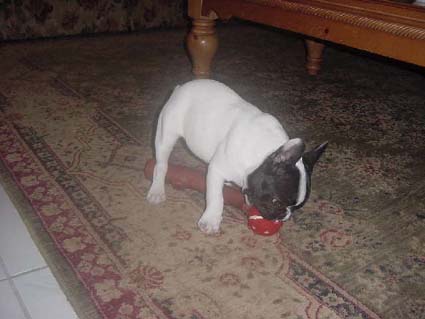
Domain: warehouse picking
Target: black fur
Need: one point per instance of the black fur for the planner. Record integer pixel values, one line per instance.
(273, 186)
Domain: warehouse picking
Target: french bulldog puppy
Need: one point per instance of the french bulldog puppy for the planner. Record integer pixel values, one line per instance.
(241, 144)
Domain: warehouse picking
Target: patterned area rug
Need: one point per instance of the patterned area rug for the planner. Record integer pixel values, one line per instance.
(76, 125)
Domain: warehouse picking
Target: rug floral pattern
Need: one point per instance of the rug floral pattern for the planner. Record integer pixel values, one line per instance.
(76, 130)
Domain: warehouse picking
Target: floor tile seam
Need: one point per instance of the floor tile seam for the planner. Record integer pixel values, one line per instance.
(15, 291)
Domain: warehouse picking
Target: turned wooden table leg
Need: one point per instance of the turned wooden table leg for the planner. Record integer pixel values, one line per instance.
(202, 40)
(314, 56)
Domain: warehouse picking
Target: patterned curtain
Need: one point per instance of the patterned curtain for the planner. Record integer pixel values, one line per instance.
(25, 19)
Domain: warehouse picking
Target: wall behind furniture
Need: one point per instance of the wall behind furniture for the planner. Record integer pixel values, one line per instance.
(28, 19)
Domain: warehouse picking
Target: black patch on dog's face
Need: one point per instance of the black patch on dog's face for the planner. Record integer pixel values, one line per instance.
(273, 187)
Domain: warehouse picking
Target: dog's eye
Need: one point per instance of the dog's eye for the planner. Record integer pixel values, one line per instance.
(276, 202)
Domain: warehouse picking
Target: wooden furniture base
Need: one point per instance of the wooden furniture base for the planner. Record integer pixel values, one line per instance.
(314, 56)
(202, 40)
(387, 28)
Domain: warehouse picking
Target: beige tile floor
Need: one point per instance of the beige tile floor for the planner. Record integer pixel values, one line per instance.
(28, 289)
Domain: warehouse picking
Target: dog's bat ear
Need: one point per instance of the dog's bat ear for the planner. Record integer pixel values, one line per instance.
(289, 153)
(311, 157)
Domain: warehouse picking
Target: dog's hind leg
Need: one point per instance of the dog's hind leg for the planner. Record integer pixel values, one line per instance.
(165, 140)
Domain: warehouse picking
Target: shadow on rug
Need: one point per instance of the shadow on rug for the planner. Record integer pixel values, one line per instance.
(76, 129)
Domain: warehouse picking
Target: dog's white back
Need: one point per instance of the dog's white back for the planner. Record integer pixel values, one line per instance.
(217, 122)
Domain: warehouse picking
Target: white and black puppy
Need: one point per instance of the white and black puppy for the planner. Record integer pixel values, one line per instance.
(242, 145)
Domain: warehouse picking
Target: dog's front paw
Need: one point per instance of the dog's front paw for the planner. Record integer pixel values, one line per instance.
(209, 225)
(156, 195)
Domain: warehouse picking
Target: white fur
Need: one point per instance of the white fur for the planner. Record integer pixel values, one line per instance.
(302, 187)
(222, 129)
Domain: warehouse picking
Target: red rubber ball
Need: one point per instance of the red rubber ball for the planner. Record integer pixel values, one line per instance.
(260, 225)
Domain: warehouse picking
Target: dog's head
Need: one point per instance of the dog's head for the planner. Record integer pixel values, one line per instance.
(281, 184)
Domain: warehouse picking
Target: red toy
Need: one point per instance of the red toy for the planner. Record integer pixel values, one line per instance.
(260, 225)
(181, 177)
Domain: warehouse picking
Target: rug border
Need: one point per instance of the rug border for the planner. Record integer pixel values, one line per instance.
(73, 289)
